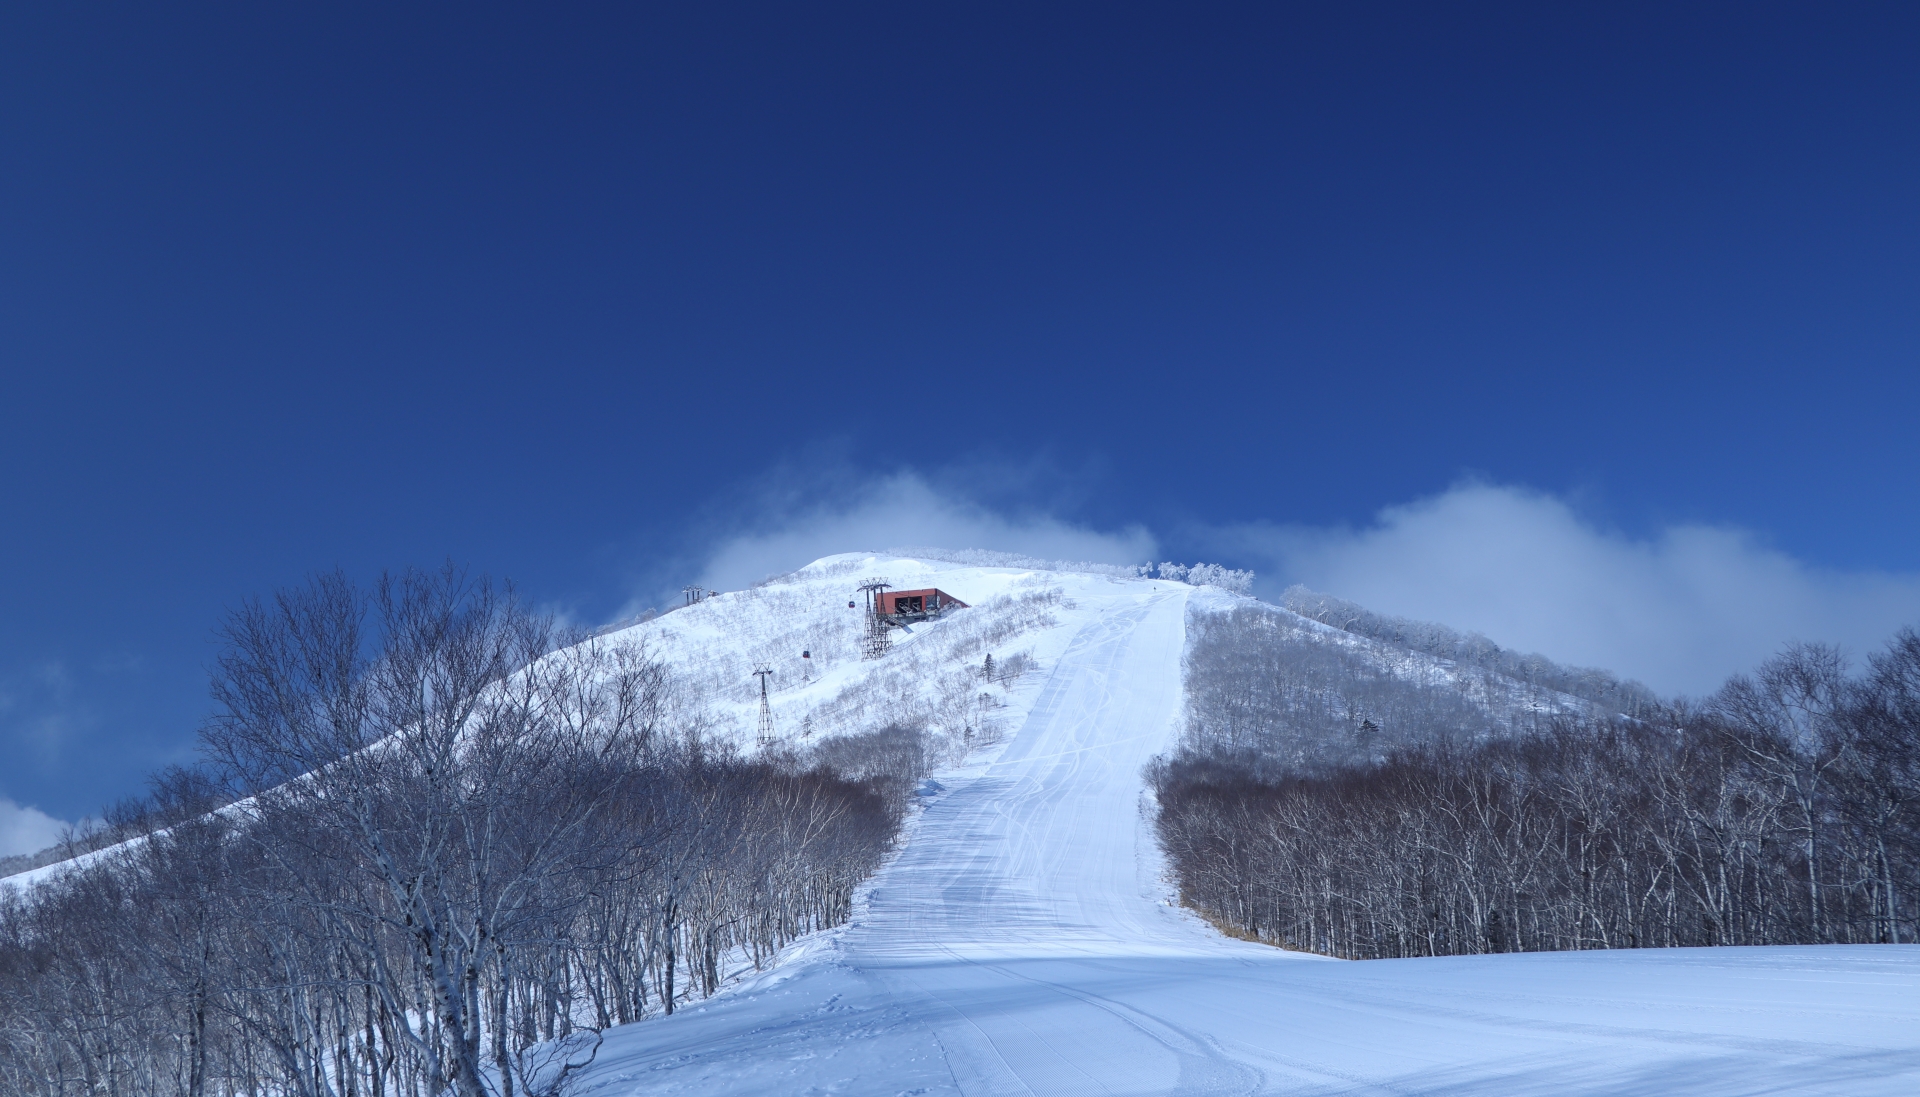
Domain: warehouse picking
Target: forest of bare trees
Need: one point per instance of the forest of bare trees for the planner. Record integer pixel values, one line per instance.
(1784, 809)
(436, 848)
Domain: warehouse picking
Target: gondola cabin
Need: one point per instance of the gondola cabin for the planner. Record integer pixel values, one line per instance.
(910, 607)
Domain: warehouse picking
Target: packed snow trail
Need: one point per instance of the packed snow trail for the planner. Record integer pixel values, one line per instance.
(1022, 943)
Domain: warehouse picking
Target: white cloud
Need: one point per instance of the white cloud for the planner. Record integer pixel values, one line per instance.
(1680, 610)
(26, 829)
(904, 509)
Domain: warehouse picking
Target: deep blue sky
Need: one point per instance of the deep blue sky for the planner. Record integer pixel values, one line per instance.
(543, 288)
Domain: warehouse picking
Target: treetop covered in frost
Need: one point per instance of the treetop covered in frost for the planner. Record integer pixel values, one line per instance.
(1216, 575)
(1469, 648)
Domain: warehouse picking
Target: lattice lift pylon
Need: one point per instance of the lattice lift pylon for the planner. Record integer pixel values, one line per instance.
(764, 672)
(874, 644)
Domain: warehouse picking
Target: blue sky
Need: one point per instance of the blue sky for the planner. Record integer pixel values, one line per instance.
(1591, 326)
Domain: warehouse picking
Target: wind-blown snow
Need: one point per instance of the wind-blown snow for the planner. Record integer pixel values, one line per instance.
(1023, 942)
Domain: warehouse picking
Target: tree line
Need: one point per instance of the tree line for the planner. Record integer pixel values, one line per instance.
(437, 847)
(1785, 809)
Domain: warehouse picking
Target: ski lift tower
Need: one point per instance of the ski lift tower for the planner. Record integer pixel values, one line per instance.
(764, 672)
(874, 644)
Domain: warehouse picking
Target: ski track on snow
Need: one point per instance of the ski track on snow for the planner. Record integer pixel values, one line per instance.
(1022, 943)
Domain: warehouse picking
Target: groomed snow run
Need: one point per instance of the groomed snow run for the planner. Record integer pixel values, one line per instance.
(1023, 942)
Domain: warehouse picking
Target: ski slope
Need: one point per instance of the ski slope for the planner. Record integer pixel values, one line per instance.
(1023, 942)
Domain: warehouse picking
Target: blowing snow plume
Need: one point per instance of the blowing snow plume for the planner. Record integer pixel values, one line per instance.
(901, 509)
(26, 829)
(1680, 610)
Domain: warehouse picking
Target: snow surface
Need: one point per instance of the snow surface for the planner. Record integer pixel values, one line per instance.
(1024, 942)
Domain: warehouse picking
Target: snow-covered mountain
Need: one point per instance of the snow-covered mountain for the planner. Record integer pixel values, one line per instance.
(931, 675)
(1025, 937)
(1025, 940)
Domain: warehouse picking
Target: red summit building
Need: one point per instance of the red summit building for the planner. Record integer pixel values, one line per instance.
(898, 609)
(912, 606)
(908, 607)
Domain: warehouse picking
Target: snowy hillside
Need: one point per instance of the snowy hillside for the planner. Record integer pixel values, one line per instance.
(1024, 941)
(930, 676)
(1024, 936)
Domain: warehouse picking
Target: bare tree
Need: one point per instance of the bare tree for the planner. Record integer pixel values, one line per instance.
(446, 847)
(1785, 810)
